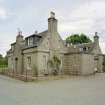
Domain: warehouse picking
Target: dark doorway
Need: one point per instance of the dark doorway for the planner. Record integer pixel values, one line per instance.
(16, 64)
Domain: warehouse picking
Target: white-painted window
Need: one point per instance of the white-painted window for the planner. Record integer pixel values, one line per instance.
(12, 47)
(29, 62)
(45, 64)
(87, 48)
(81, 49)
(68, 45)
(44, 61)
(30, 41)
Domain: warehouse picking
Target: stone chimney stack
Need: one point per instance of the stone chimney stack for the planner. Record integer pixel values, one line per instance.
(96, 37)
(19, 37)
(52, 23)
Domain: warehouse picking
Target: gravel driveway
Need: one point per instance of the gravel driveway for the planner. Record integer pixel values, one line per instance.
(72, 91)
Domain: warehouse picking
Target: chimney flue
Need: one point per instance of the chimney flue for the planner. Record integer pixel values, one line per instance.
(96, 37)
(52, 14)
(52, 23)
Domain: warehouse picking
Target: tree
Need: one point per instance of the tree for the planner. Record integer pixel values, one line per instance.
(104, 64)
(1, 57)
(54, 63)
(3, 60)
(78, 39)
(84, 38)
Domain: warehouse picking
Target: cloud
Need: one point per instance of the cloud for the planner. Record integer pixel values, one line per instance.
(3, 13)
(102, 44)
(2, 0)
(88, 17)
(75, 16)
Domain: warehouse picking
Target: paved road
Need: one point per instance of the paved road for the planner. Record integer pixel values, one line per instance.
(72, 91)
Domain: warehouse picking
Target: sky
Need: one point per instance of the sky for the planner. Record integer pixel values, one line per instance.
(74, 16)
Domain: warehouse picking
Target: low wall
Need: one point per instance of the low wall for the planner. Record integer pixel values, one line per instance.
(3, 70)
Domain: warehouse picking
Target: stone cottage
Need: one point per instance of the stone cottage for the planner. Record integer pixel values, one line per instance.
(36, 49)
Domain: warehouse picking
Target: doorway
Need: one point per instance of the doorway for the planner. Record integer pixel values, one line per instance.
(16, 64)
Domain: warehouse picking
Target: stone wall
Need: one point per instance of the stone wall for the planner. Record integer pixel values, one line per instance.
(100, 63)
(87, 64)
(79, 64)
(72, 64)
(33, 62)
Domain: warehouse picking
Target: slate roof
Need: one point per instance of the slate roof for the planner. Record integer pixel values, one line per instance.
(37, 42)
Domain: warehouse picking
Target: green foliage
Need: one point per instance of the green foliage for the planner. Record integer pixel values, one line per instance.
(54, 63)
(3, 60)
(104, 64)
(74, 39)
(1, 56)
(78, 39)
(84, 38)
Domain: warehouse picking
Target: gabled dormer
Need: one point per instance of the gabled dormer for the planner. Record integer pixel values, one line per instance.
(32, 40)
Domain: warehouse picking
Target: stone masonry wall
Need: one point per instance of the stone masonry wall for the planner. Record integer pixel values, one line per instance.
(72, 64)
(87, 64)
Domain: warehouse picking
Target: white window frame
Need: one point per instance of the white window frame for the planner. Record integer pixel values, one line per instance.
(29, 62)
(30, 41)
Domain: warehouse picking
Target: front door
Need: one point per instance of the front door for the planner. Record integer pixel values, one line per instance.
(16, 65)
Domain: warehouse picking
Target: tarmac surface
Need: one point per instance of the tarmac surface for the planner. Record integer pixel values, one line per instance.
(89, 90)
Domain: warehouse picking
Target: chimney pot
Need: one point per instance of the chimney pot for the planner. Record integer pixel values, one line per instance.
(52, 14)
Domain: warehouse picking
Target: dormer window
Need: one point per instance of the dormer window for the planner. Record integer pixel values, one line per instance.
(81, 49)
(68, 45)
(84, 49)
(12, 47)
(30, 41)
(87, 48)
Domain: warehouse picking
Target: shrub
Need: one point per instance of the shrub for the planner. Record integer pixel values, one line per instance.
(54, 63)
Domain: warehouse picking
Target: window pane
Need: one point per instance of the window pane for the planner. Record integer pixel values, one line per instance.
(28, 62)
(30, 41)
